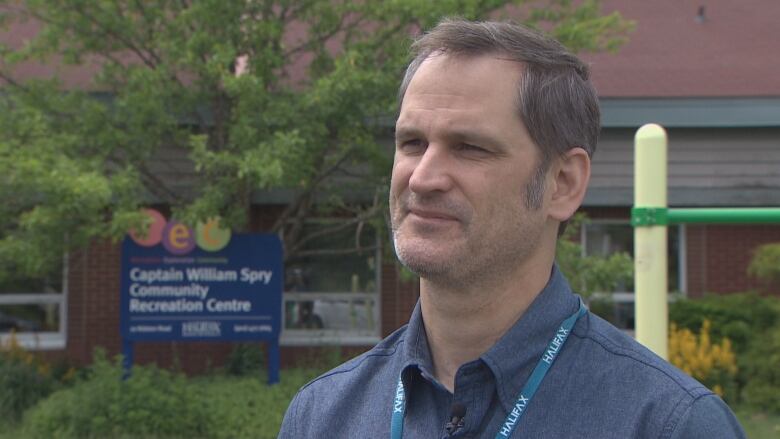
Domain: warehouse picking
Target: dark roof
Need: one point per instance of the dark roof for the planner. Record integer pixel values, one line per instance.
(732, 51)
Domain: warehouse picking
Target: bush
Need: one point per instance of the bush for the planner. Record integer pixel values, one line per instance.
(738, 317)
(248, 407)
(762, 366)
(765, 264)
(154, 403)
(714, 365)
(151, 403)
(752, 323)
(245, 359)
(593, 273)
(21, 386)
(23, 380)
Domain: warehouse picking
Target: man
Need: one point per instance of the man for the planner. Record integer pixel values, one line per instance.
(493, 143)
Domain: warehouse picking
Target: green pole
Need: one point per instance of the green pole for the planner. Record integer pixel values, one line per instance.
(766, 215)
(650, 217)
(650, 267)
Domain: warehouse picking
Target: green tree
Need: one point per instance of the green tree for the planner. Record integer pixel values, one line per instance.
(590, 274)
(765, 264)
(240, 96)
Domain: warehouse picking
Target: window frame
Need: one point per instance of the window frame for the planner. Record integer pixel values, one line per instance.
(682, 266)
(629, 297)
(336, 337)
(44, 340)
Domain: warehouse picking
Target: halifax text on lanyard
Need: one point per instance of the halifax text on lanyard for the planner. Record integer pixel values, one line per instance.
(528, 391)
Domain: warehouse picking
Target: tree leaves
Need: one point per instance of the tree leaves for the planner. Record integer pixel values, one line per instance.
(203, 106)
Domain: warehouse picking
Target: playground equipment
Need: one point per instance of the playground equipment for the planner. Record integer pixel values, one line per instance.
(650, 217)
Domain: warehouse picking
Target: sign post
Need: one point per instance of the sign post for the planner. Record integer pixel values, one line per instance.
(209, 286)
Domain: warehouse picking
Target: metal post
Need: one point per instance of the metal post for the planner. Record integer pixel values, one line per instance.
(650, 252)
(273, 361)
(127, 358)
(757, 215)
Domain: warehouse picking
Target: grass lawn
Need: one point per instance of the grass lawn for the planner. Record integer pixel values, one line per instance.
(759, 425)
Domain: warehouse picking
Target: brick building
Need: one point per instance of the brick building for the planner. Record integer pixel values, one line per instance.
(703, 69)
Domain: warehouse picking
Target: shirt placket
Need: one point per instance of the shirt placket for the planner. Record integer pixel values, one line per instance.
(473, 386)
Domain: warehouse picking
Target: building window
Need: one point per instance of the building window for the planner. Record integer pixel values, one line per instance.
(605, 237)
(34, 309)
(332, 290)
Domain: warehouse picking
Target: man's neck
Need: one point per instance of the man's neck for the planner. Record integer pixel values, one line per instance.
(463, 323)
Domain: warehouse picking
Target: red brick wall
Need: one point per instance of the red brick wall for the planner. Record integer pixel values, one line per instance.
(718, 256)
(398, 298)
(607, 212)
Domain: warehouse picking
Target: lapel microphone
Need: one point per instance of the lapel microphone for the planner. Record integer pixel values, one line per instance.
(457, 412)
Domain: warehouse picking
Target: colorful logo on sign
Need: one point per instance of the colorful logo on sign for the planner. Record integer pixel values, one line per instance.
(180, 239)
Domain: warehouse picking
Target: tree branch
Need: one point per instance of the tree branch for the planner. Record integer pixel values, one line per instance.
(319, 40)
(107, 31)
(309, 191)
(359, 220)
(12, 82)
(153, 184)
(333, 252)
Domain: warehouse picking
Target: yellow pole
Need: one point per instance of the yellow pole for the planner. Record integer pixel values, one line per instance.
(650, 266)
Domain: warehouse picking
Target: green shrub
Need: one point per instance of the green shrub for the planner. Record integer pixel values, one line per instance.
(151, 403)
(592, 273)
(21, 386)
(156, 404)
(713, 364)
(765, 264)
(24, 380)
(248, 407)
(752, 323)
(762, 366)
(739, 316)
(245, 359)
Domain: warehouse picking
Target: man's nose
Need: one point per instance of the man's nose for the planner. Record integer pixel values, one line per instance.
(433, 172)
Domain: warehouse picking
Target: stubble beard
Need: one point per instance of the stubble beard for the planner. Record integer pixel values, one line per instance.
(477, 256)
(420, 254)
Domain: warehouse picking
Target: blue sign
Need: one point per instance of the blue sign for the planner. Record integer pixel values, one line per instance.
(231, 294)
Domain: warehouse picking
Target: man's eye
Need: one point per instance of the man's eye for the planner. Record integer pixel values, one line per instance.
(470, 148)
(411, 146)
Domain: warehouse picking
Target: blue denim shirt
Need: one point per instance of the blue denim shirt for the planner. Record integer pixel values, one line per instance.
(602, 385)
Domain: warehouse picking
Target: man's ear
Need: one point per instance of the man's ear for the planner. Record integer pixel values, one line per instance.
(570, 176)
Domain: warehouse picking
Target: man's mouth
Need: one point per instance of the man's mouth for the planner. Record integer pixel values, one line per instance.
(432, 215)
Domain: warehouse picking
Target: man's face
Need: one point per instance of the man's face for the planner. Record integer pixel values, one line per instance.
(463, 160)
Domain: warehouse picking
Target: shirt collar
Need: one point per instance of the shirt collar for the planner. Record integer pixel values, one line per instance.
(516, 353)
(416, 354)
(514, 356)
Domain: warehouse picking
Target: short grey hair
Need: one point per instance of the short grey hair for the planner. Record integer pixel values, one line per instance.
(556, 100)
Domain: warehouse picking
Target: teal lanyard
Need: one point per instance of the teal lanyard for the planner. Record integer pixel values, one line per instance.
(528, 391)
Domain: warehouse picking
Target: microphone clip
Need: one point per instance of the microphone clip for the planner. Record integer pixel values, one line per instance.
(455, 423)
(458, 412)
